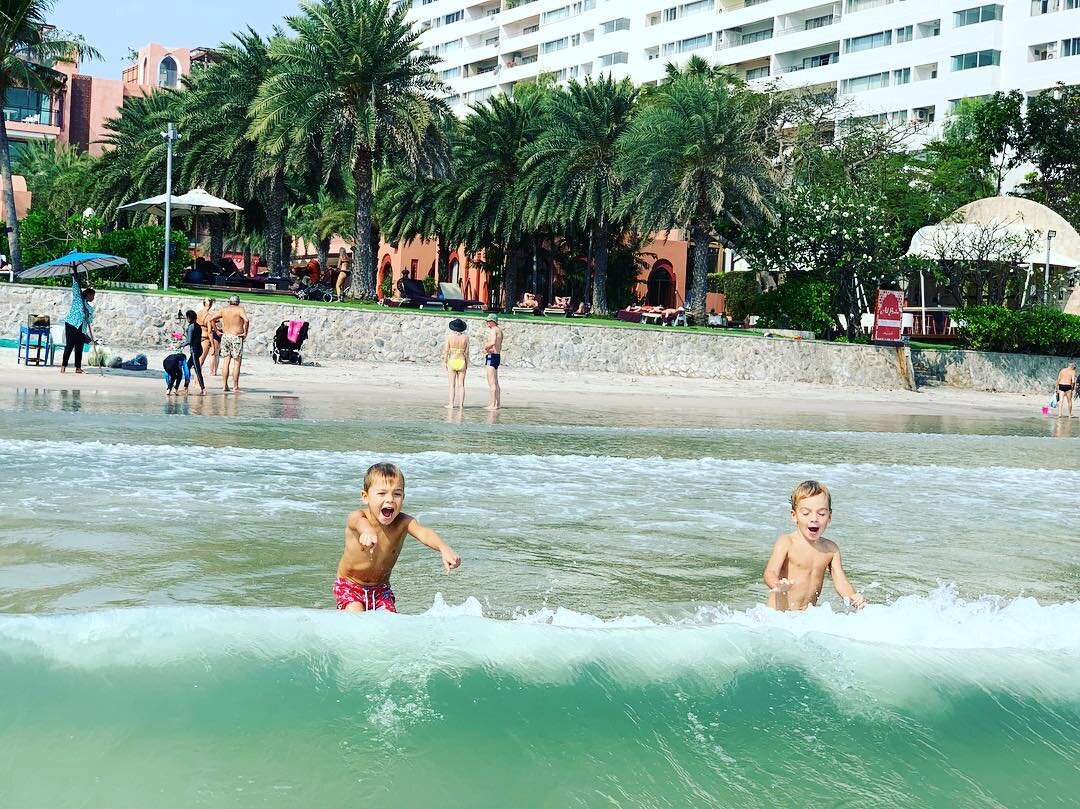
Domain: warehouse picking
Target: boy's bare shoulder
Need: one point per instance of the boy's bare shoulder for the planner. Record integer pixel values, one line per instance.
(828, 546)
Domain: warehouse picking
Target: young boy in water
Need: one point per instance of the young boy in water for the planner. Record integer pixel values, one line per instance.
(795, 572)
(374, 536)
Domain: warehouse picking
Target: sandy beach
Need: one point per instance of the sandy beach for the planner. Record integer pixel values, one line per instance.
(343, 383)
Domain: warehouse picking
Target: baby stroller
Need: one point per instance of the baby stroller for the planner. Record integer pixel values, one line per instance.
(321, 291)
(286, 350)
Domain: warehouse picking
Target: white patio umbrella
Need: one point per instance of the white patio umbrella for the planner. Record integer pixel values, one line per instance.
(196, 201)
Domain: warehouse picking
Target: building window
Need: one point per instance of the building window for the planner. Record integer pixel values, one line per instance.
(449, 19)
(670, 13)
(903, 34)
(820, 60)
(168, 75)
(901, 76)
(697, 7)
(818, 22)
(575, 40)
(619, 58)
(865, 43)
(860, 84)
(967, 61)
(556, 14)
(970, 16)
(757, 36)
(1070, 47)
(554, 45)
(757, 73)
(446, 75)
(612, 26)
(693, 43)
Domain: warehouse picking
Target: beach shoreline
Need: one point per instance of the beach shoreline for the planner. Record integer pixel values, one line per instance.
(346, 383)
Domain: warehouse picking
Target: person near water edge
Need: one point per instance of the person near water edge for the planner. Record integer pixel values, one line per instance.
(234, 330)
(795, 572)
(374, 536)
(455, 357)
(193, 342)
(493, 359)
(1066, 384)
(77, 324)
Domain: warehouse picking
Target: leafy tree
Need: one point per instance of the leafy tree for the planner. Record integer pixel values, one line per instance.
(411, 208)
(692, 157)
(1053, 126)
(316, 222)
(800, 301)
(572, 175)
(351, 84)
(28, 49)
(57, 175)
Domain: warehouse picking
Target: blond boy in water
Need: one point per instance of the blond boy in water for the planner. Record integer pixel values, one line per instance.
(374, 536)
(795, 572)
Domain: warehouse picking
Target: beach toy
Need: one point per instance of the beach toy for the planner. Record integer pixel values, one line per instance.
(1045, 409)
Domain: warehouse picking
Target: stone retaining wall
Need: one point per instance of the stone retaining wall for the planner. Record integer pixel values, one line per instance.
(983, 370)
(130, 321)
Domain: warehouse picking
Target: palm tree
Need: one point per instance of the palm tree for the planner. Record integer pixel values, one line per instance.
(218, 153)
(59, 176)
(409, 208)
(489, 210)
(572, 175)
(133, 162)
(319, 220)
(352, 84)
(28, 49)
(692, 158)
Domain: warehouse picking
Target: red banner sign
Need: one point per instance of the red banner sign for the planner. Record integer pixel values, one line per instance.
(889, 316)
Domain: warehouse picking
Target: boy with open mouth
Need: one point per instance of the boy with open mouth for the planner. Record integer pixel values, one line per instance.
(374, 536)
(795, 572)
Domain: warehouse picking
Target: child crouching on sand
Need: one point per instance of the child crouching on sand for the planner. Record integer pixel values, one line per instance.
(795, 572)
(374, 536)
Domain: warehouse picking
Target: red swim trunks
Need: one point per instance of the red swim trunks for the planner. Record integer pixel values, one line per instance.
(371, 596)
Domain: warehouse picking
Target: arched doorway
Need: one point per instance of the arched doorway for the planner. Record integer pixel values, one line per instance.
(455, 272)
(661, 286)
(384, 285)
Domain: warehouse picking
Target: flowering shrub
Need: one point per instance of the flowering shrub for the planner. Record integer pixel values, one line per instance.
(1040, 330)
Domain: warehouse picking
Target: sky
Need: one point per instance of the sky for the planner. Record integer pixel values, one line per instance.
(114, 26)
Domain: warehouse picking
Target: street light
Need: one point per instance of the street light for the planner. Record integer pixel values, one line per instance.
(171, 136)
(1050, 234)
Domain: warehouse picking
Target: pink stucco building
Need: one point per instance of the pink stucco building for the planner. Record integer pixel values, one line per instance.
(77, 114)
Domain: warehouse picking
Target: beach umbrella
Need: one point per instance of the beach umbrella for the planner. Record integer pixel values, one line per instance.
(196, 201)
(72, 264)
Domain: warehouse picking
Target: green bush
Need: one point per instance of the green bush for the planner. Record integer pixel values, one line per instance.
(801, 302)
(1040, 330)
(740, 291)
(144, 248)
(429, 286)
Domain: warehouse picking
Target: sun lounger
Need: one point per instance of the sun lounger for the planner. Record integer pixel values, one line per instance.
(528, 305)
(561, 307)
(417, 297)
(454, 298)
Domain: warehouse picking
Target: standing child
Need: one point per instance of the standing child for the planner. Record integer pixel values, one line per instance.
(374, 536)
(795, 572)
(193, 342)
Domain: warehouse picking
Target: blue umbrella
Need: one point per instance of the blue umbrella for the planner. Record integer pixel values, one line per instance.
(72, 264)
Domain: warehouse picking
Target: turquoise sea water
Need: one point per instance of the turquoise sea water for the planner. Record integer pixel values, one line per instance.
(167, 635)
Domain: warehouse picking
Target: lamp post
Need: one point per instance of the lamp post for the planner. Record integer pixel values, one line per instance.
(1050, 234)
(170, 136)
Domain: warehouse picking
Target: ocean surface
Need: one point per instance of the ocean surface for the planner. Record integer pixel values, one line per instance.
(168, 637)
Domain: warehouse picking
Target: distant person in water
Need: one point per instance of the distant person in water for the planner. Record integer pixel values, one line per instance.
(374, 536)
(493, 359)
(234, 330)
(1066, 387)
(795, 572)
(455, 357)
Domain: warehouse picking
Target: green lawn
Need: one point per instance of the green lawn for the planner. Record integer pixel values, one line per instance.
(291, 300)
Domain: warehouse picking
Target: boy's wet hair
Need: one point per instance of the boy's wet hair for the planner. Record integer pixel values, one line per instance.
(190, 315)
(810, 488)
(382, 471)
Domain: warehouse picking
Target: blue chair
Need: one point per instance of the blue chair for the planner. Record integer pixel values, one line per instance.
(38, 338)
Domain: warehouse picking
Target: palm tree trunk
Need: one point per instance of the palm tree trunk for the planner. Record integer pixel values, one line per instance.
(286, 248)
(247, 260)
(699, 252)
(362, 285)
(509, 280)
(600, 248)
(323, 252)
(444, 258)
(217, 239)
(275, 216)
(11, 216)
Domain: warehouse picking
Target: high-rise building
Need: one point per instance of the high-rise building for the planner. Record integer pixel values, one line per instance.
(892, 60)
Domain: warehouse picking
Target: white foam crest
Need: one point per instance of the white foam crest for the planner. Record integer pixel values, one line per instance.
(174, 457)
